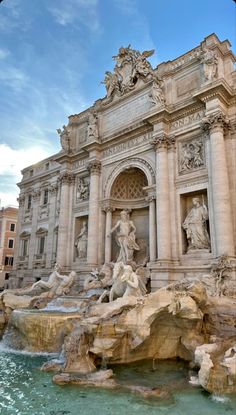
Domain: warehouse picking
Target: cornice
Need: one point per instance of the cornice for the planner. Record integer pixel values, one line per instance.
(218, 89)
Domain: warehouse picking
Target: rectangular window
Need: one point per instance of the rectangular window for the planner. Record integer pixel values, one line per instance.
(29, 202)
(7, 275)
(41, 244)
(9, 260)
(12, 227)
(24, 247)
(10, 243)
(45, 197)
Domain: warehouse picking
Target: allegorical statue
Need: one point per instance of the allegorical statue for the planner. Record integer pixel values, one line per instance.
(64, 138)
(195, 226)
(125, 238)
(93, 126)
(210, 64)
(81, 241)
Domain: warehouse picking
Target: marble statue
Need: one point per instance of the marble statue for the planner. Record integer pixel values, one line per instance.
(81, 241)
(111, 82)
(82, 190)
(125, 238)
(64, 138)
(93, 126)
(134, 286)
(156, 94)
(101, 279)
(195, 226)
(210, 64)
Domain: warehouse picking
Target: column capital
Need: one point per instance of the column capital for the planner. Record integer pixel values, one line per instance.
(53, 189)
(216, 121)
(36, 195)
(94, 166)
(66, 177)
(108, 209)
(163, 141)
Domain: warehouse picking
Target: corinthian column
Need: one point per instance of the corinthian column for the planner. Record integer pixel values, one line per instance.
(152, 228)
(215, 124)
(92, 253)
(108, 211)
(66, 179)
(162, 198)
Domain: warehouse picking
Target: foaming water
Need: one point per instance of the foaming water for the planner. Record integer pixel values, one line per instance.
(60, 309)
(6, 349)
(25, 390)
(220, 398)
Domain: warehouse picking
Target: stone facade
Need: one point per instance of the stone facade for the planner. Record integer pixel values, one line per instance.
(8, 227)
(162, 145)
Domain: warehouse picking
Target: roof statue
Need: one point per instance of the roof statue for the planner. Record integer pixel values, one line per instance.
(131, 65)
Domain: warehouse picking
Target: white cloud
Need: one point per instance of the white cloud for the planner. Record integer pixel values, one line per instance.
(4, 53)
(13, 77)
(12, 161)
(74, 11)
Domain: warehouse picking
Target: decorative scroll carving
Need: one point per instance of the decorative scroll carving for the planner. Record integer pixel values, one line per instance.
(161, 141)
(94, 167)
(216, 120)
(221, 272)
(64, 138)
(131, 65)
(191, 155)
(53, 189)
(82, 191)
(209, 60)
(66, 177)
(36, 195)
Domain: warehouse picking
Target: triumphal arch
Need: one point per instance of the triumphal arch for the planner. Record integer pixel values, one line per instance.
(146, 175)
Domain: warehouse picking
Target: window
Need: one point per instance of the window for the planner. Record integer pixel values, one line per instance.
(31, 173)
(9, 260)
(41, 244)
(12, 227)
(47, 166)
(45, 197)
(10, 243)
(29, 202)
(24, 247)
(7, 275)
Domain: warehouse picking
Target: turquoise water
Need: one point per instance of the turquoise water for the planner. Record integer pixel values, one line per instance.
(24, 390)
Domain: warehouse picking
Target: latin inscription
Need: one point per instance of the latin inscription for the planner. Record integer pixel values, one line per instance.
(128, 144)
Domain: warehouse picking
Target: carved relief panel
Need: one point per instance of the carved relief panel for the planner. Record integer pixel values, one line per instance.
(191, 155)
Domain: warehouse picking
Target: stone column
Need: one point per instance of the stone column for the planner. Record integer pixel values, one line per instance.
(172, 193)
(152, 228)
(34, 240)
(66, 179)
(51, 224)
(215, 124)
(162, 198)
(92, 253)
(108, 238)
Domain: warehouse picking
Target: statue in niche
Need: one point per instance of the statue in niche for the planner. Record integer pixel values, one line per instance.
(195, 226)
(125, 238)
(82, 190)
(192, 156)
(156, 94)
(93, 126)
(64, 138)
(210, 64)
(81, 241)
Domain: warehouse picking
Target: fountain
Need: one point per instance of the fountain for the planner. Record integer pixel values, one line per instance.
(187, 320)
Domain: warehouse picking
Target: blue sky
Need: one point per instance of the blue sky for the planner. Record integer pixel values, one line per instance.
(54, 53)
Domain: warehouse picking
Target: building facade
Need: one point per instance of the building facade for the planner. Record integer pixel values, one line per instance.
(8, 224)
(160, 145)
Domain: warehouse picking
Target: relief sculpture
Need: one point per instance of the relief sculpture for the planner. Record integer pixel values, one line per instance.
(191, 155)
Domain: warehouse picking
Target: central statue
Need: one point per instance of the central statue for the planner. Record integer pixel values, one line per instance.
(125, 238)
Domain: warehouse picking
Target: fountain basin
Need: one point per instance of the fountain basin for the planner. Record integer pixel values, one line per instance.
(40, 330)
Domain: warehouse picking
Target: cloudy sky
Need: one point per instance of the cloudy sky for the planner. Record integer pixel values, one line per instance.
(54, 53)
